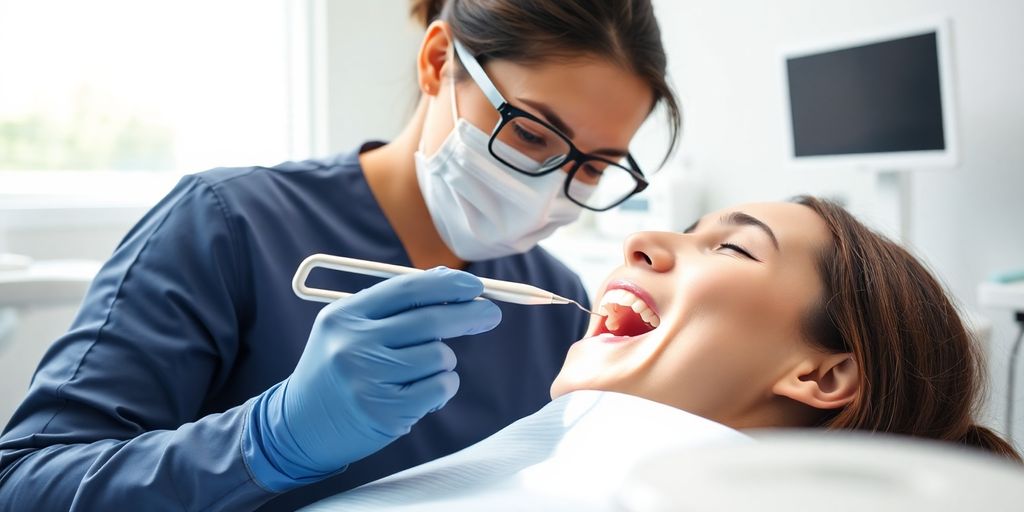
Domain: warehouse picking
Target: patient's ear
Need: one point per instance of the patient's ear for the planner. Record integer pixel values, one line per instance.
(824, 381)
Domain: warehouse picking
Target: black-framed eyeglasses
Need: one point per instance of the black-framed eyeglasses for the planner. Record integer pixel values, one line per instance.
(531, 146)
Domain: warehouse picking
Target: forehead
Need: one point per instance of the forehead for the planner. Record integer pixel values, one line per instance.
(796, 226)
(600, 101)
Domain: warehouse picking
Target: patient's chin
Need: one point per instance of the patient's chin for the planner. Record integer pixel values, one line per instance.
(558, 389)
(568, 381)
(578, 376)
(602, 363)
(579, 371)
(563, 387)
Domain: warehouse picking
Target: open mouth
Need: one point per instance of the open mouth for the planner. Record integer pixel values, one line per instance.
(627, 314)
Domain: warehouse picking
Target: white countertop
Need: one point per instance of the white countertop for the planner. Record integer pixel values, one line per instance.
(1002, 295)
(47, 282)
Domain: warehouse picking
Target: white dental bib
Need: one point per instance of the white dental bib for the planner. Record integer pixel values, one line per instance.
(571, 455)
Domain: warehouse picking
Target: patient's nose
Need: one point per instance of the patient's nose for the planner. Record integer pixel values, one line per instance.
(650, 250)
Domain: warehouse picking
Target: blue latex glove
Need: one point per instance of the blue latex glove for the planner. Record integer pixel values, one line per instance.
(373, 366)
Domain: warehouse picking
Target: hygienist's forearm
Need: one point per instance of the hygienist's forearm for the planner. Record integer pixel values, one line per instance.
(199, 466)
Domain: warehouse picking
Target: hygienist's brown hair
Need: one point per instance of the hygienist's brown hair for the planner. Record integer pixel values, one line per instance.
(921, 373)
(528, 31)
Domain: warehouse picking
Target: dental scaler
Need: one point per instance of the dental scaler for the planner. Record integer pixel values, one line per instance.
(494, 289)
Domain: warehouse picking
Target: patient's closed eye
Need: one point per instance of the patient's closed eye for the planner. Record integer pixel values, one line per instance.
(737, 248)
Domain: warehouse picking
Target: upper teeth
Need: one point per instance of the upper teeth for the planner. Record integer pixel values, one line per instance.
(625, 298)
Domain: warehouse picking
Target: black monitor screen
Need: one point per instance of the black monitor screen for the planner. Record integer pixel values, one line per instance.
(877, 98)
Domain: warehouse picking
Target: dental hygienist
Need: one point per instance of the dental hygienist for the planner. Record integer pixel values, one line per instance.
(192, 379)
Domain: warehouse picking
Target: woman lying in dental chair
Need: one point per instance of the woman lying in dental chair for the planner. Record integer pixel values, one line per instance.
(764, 315)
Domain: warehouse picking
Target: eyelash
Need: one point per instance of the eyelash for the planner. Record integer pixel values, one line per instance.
(528, 137)
(738, 249)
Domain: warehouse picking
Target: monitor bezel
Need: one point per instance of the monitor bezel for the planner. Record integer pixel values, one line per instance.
(899, 160)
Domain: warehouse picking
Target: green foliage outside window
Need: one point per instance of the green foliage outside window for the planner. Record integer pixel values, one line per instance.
(98, 134)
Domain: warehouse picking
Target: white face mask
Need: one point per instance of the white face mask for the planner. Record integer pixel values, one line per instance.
(483, 209)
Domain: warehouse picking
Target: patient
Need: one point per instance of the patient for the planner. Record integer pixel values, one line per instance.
(764, 315)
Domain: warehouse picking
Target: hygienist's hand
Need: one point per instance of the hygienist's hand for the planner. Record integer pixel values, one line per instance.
(373, 366)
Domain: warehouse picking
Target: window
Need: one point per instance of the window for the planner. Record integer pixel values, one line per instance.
(145, 85)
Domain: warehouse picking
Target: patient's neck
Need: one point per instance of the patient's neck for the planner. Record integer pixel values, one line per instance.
(777, 412)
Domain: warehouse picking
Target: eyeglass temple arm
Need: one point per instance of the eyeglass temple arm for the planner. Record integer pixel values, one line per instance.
(633, 164)
(477, 72)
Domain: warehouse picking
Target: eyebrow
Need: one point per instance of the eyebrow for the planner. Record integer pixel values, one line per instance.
(741, 219)
(551, 117)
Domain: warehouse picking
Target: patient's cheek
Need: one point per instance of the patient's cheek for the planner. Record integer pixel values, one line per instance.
(703, 290)
(725, 287)
(715, 275)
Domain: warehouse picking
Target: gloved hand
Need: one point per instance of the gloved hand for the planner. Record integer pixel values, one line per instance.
(373, 366)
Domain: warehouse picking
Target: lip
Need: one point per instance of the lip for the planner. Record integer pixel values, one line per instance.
(610, 338)
(622, 284)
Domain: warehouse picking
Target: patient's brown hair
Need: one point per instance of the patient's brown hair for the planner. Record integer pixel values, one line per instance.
(921, 373)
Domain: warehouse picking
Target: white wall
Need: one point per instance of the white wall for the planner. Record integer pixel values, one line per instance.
(371, 73)
(725, 62)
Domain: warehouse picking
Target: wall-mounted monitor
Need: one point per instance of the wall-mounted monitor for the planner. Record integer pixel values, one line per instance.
(881, 101)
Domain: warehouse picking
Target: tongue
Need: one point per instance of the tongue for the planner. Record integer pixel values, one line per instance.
(626, 321)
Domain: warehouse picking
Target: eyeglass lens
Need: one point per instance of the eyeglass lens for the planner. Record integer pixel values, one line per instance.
(533, 148)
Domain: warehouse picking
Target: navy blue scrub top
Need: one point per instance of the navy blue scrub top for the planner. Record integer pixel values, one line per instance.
(140, 406)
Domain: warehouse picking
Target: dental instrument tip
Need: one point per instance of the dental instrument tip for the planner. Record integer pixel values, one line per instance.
(556, 299)
(587, 310)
